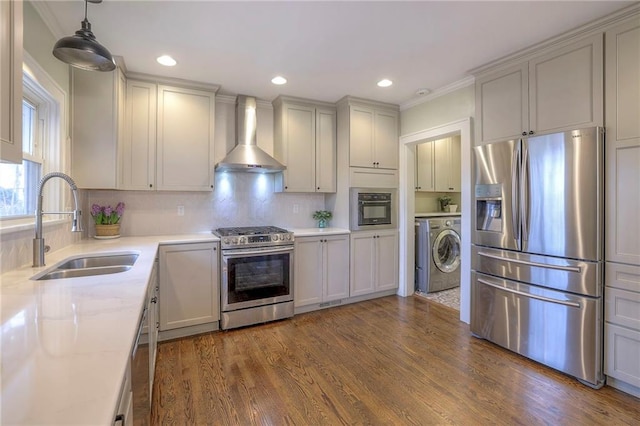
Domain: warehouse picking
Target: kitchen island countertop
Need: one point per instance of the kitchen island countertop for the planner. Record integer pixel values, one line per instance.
(66, 343)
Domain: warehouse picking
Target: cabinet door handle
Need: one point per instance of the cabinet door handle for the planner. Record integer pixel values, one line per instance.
(531, 132)
(119, 418)
(150, 185)
(318, 188)
(524, 133)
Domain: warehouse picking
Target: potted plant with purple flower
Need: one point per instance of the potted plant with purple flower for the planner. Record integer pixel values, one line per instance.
(107, 220)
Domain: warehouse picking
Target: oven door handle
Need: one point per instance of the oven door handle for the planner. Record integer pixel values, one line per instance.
(268, 250)
(374, 202)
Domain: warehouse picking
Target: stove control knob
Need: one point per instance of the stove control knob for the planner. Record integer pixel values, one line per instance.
(235, 240)
(288, 237)
(226, 241)
(275, 237)
(243, 240)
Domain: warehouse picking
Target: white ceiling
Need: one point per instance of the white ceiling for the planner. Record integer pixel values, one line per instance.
(325, 49)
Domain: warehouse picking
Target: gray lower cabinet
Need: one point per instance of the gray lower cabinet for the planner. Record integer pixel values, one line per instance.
(189, 289)
(321, 269)
(622, 327)
(374, 261)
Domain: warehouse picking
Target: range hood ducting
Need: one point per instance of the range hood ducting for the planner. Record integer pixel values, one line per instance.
(246, 156)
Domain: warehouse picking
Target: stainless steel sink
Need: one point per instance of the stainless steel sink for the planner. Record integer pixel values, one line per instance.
(127, 259)
(87, 266)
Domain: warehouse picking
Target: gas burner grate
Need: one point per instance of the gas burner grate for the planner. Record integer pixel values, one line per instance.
(249, 230)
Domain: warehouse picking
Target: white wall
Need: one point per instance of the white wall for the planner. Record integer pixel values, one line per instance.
(38, 42)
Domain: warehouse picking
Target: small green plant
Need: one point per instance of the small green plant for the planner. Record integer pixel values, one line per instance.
(444, 200)
(322, 215)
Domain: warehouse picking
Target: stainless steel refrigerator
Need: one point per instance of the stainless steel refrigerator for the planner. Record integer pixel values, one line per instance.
(537, 254)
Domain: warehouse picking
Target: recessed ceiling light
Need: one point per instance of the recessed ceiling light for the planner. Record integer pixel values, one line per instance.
(385, 83)
(278, 80)
(422, 92)
(166, 60)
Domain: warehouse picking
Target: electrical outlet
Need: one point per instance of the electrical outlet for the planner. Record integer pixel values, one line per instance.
(296, 208)
(180, 210)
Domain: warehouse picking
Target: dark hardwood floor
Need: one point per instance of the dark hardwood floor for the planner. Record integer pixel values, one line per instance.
(391, 361)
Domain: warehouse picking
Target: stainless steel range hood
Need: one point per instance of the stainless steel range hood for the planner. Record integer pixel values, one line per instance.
(246, 156)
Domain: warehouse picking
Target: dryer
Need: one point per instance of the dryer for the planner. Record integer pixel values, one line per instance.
(437, 253)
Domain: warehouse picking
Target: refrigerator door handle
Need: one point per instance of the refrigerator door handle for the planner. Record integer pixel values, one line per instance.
(524, 190)
(515, 201)
(529, 295)
(575, 269)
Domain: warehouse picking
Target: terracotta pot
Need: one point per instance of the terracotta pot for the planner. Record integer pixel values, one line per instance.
(108, 230)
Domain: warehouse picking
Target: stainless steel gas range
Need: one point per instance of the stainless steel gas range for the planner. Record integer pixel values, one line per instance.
(257, 275)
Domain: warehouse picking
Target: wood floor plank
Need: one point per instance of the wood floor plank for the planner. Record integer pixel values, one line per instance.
(389, 361)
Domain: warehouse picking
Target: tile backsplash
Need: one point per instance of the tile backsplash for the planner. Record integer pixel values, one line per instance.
(239, 199)
(16, 249)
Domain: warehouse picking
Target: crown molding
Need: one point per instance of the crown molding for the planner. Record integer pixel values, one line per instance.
(351, 100)
(44, 10)
(187, 84)
(226, 99)
(302, 101)
(231, 100)
(456, 85)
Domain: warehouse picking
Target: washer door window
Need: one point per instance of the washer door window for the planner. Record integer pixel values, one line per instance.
(446, 251)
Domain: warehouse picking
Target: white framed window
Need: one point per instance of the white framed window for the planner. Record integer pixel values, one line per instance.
(17, 192)
(43, 146)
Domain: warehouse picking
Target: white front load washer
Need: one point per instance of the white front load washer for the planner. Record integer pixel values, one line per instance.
(437, 253)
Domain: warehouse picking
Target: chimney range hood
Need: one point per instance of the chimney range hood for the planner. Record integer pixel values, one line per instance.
(246, 156)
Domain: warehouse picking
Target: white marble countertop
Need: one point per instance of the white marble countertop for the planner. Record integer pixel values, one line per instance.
(313, 232)
(437, 214)
(66, 343)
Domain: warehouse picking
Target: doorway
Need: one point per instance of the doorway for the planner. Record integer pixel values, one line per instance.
(408, 145)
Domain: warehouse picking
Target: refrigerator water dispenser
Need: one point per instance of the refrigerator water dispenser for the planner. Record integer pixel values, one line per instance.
(489, 207)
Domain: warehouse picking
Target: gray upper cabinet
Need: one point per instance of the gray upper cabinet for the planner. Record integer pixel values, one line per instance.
(305, 142)
(11, 81)
(447, 164)
(138, 153)
(140, 135)
(438, 165)
(502, 104)
(98, 127)
(425, 170)
(373, 134)
(558, 89)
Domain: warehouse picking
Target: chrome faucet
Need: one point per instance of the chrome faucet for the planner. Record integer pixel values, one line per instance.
(39, 248)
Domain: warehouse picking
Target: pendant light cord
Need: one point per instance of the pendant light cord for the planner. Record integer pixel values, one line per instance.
(86, 25)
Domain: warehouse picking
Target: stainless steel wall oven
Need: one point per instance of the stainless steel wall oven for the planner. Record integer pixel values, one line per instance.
(372, 208)
(257, 275)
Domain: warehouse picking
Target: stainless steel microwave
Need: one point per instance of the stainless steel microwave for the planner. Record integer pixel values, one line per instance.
(373, 208)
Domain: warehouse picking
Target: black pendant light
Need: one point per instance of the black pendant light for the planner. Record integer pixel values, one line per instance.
(82, 50)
